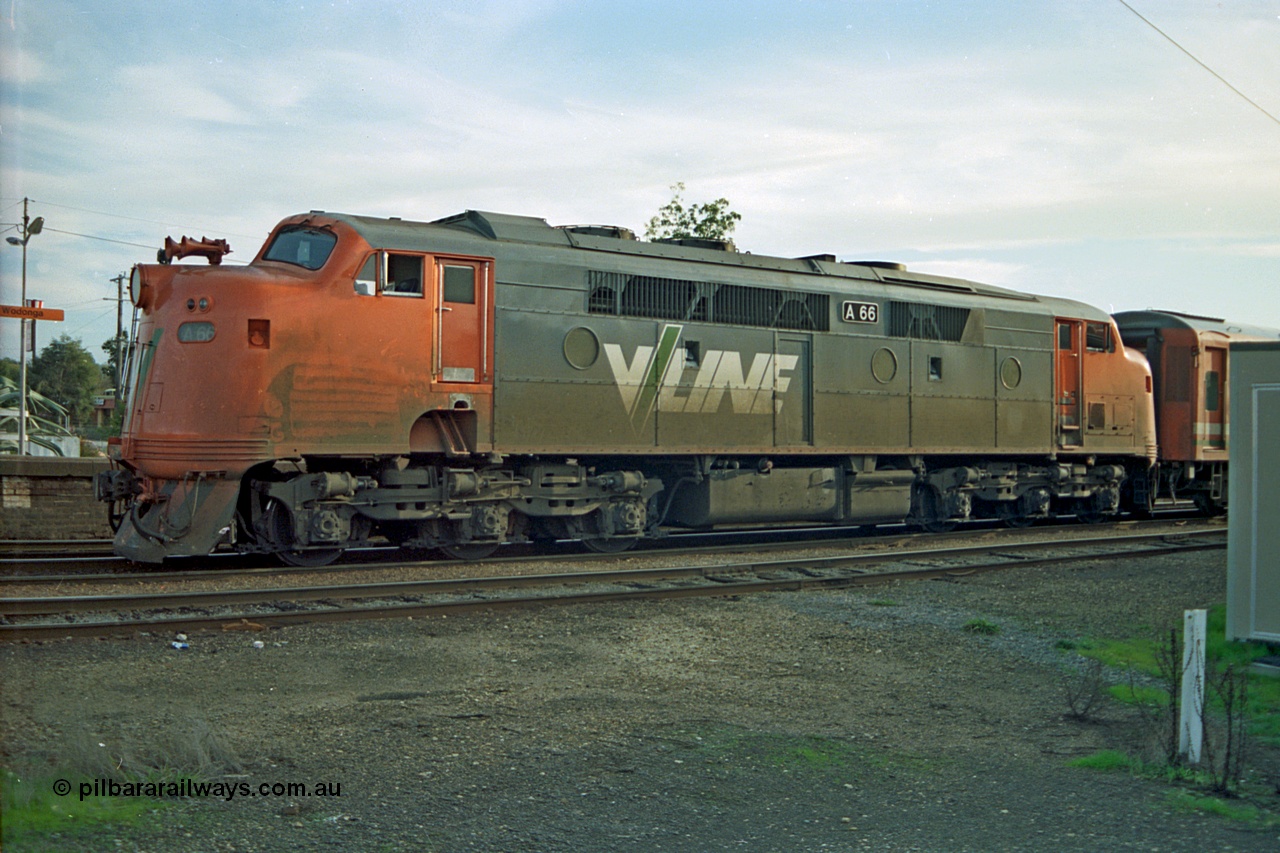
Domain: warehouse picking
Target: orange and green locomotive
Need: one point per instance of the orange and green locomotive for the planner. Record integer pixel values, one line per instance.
(486, 378)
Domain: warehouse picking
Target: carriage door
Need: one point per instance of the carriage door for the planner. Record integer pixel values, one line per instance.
(1069, 363)
(463, 295)
(1215, 377)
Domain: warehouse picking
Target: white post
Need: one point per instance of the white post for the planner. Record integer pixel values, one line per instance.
(1191, 730)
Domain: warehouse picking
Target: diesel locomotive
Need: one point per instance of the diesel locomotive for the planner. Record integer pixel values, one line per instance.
(487, 378)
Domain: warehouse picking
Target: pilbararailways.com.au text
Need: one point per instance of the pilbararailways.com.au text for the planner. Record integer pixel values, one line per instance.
(191, 788)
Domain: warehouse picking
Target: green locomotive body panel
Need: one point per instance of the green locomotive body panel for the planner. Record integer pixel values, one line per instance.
(612, 345)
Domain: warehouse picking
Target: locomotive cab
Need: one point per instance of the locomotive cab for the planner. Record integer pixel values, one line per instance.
(285, 360)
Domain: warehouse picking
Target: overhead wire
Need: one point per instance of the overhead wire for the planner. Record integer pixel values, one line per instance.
(103, 239)
(132, 218)
(1197, 61)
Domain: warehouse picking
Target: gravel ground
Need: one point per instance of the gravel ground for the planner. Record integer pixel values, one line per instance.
(846, 720)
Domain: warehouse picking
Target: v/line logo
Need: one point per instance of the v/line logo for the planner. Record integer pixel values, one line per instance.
(657, 375)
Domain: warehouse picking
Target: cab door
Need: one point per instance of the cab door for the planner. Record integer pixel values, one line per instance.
(1069, 362)
(1214, 417)
(464, 300)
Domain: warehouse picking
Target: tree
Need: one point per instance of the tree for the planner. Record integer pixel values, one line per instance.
(66, 373)
(114, 347)
(712, 220)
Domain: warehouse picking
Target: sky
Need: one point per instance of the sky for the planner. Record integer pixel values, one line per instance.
(1065, 148)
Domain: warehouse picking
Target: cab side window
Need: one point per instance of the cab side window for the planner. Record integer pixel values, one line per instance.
(404, 275)
(1097, 337)
(366, 282)
(459, 285)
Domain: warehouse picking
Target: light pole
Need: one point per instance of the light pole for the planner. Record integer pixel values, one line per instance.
(30, 228)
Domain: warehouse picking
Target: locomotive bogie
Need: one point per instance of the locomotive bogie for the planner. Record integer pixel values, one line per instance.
(426, 505)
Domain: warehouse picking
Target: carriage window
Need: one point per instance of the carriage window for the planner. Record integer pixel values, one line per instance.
(1064, 336)
(367, 279)
(1212, 391)
(1097, 337)
(460, 285)
(305, 247)
(404, 275)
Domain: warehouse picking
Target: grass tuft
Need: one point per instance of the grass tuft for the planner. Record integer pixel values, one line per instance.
(1108, 760)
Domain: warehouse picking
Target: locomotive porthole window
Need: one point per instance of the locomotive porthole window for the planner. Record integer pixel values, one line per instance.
(1011, 373)
(884, 365)
(581, 347)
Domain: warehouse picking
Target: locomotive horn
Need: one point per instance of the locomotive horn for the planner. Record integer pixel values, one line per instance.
(211, 250)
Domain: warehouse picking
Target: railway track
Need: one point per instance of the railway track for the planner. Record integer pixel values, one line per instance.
(54, 616)
(37, 561)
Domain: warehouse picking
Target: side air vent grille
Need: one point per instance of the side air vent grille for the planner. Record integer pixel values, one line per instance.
(622, 295)
(927, 322)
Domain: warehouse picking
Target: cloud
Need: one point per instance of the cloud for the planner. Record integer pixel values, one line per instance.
(19, 67)
(1005, 153)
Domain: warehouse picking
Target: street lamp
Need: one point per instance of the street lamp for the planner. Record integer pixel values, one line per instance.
(30, 228)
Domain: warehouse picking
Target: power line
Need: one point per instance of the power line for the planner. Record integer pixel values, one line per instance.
(103, 239)
(1196, 60)
(132, 218)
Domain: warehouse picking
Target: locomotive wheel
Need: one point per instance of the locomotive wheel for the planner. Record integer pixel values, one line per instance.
(1204, 503)
(280, 524)
(609, 546)
(1089, 515)
(931, 520)
(309, 559)
(1018, 521)
(471, 551)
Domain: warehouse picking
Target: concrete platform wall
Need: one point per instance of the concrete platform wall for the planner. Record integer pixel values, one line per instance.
(50, 498)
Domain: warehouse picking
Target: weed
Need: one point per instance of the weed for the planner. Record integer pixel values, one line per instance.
(1107, 760)
(799, 753)
(1142, 696)
(981, 626)
(1085, 692)
(1243, 812)
(32, 810)
(1262, 706)
(883, 602)
(1237, 709)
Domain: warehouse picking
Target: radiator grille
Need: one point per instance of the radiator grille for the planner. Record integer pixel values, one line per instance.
(623, 295)
(927, 322)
